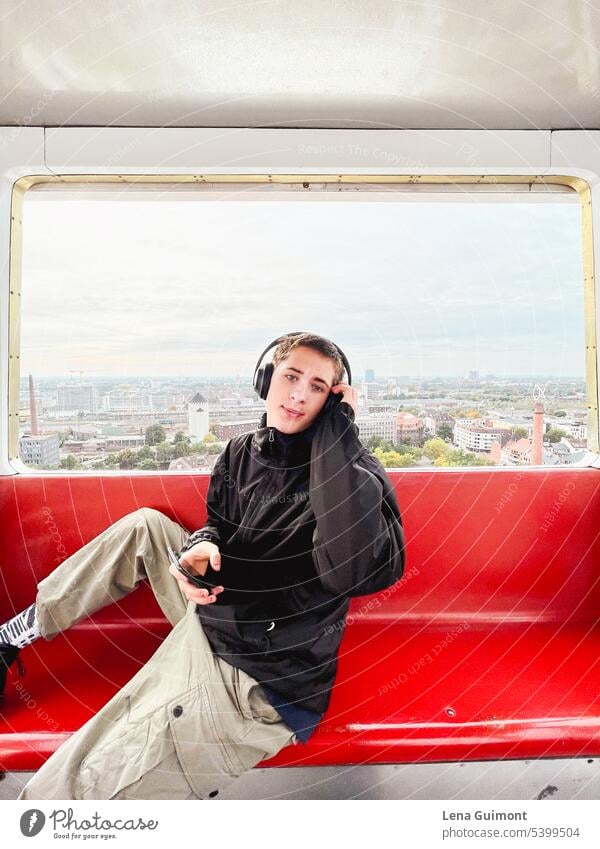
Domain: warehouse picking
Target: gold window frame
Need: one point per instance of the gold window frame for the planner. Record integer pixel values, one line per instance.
(22, 185)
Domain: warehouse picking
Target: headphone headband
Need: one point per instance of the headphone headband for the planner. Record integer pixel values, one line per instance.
(299, 333)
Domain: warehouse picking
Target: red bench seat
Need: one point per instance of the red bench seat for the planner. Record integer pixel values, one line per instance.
(488, 648)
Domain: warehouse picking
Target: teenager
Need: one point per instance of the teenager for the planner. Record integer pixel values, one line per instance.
(300, 518)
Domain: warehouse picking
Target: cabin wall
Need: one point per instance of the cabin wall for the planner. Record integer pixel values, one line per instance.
(461, 502)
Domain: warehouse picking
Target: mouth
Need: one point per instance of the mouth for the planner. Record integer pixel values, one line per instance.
(292, 414)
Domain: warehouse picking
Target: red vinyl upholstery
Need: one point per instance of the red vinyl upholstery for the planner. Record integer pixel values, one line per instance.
(487, 648)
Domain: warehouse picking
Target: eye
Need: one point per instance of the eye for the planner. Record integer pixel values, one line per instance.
(293, 376)
(320, 388)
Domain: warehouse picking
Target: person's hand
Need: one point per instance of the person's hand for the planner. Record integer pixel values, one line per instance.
(196, 559)
(349, 394)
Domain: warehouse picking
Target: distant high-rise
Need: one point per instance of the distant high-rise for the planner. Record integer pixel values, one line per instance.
(369, 375)
(76, 396)
(32, 410)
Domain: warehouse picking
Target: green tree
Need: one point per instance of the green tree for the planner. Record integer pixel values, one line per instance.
(374, 442)
(126, 459)
(70, 462)
(180, 449)
(145, 453)
(435, 448)
(445, 431)
(404, 448)
(554, 434)
(181, 437)
(394, 460)
(164, 454)
(148, 465)
(155, 434)
(457, 457)
(519, 432)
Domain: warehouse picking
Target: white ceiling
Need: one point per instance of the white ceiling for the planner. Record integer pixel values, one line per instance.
(492, 64)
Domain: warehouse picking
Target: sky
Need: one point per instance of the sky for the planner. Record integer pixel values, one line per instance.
(200, 288)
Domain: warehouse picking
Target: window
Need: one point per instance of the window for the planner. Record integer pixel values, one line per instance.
(461, 309)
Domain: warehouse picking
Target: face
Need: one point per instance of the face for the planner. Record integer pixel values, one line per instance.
(299, 383)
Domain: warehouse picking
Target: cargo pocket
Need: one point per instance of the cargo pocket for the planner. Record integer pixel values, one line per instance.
(130, 754)
(216, 741)
(205, 754)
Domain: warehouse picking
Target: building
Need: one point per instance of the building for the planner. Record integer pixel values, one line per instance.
(521, 452)
(76, 397)
(410, 430)
(225, 430)
(127, 402)
(378, 408)
(40, 450)
(197, 408)
(369, 375)
(479, 434)
(369, 390)
(126, 440)
(192, 462)
(378, 424)
(432, 419)
(577, 429)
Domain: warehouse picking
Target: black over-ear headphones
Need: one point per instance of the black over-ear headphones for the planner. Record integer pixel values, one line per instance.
(262, 375)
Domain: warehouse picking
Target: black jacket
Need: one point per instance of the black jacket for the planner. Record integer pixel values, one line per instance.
(304, 522)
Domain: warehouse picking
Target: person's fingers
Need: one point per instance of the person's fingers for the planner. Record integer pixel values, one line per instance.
(208, 600)
(197, 594)
(193, 593)
(176, 573)
(215, 560)
(180, 577)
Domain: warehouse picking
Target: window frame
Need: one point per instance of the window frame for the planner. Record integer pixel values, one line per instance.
(22, 185)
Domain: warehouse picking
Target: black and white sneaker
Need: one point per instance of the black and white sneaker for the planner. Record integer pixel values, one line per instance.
(8, 655)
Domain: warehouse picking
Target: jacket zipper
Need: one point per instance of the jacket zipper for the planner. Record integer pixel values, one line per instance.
(272, 486)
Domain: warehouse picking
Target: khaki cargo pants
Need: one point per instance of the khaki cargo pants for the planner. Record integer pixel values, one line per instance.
(188, 723)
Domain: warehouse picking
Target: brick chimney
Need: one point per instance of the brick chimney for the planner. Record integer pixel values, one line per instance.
(537, 450)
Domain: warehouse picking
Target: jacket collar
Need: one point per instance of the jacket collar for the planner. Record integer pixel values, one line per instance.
(289, 447)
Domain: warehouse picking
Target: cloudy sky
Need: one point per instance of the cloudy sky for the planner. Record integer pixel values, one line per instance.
(201, 287)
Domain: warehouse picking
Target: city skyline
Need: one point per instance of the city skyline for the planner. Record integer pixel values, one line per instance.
(224, 379)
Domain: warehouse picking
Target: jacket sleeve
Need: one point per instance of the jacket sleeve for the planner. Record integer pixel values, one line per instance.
(358, 541)
(216, 504)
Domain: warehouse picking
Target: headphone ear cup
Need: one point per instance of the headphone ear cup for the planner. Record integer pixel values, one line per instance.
(263, 380)
(258, 381)
(268, 374)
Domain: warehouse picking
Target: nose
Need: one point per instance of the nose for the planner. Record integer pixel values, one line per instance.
(298, 394)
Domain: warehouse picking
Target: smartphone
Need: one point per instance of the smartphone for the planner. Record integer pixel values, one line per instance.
(196, 579)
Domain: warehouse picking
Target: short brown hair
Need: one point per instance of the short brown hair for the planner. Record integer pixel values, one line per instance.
(310, 340)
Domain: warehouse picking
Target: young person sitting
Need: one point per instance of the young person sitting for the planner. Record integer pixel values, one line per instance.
(300, 519)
